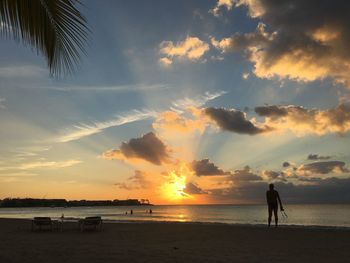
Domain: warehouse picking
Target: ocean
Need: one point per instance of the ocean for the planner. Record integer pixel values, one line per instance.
(303, 215)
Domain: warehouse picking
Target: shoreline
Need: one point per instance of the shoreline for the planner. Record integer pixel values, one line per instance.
(244, 225)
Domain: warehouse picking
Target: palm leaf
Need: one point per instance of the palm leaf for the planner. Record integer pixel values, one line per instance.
(54, 28)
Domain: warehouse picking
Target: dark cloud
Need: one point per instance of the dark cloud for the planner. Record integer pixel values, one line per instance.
(330, 190)
(318, 157)
(193, 189)
(245, 174)
(323, 168)
(309, 179)
(206, 168)
(286, 164)
(302, 40)
(149, 147)
(271, 111)
(274, 176)
(137, 181)
(234, 121)
(271, 174)
(275, 111)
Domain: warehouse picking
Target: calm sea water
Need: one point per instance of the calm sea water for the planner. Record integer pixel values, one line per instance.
(309, 215)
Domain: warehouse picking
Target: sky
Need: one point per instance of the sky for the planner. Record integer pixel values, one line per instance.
(185, 102)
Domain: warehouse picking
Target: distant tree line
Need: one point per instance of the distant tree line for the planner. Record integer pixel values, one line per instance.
(34, 202)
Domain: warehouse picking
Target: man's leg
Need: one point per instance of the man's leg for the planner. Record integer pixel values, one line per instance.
(275, 211)
(270, 215)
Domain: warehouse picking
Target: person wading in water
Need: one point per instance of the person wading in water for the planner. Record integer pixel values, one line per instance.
(272, 197)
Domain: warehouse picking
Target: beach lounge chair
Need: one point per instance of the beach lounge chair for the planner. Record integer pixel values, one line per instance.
(42, 222)
(92, 222)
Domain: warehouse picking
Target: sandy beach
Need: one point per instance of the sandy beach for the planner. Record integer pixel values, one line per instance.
(172, 242)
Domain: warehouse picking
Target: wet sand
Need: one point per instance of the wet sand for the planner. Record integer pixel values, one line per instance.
(172, 242)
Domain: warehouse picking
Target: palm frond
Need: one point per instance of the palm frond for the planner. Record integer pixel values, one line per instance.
(54, 28)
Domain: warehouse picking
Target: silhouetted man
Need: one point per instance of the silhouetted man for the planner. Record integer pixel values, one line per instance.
(272, 197)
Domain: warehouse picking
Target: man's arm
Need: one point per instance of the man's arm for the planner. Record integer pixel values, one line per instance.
(279, 200)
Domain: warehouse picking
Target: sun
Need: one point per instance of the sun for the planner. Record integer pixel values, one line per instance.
(174, 188)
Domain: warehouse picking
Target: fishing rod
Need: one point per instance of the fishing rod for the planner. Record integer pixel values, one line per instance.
(284, 214)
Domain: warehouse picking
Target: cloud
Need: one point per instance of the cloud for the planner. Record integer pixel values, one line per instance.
(196, 101)
(193, 189)
(185, 115)
(245, 174)
(48, 164)
(301, 120)
(2, 105)
(297, 186)
(322, 168)
(173, 122)
(308, 179)
(23, 174)
(270, 174)
(239, 42)
(234, 121)
(118, 88)
(273, 175)
(148, 147)
(228, 4)
(329, 190)
(21, 153)
(178, 106)
(184, 118)
(23, 71)
(305, 40)
(84, 130)
(272, 111)
(165, 61)
(206, 168)
(137, 181)
(318, 157)
(192, 48)
(245, 75)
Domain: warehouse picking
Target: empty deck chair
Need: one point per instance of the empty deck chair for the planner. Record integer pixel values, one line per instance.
(42, 223)
(92, 222)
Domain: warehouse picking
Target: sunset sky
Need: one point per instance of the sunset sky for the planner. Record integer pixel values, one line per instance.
(185, 102)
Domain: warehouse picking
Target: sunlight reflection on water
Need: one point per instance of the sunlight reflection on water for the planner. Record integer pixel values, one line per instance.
(322, 215)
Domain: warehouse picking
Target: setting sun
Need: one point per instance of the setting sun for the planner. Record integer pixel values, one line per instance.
(174, 188)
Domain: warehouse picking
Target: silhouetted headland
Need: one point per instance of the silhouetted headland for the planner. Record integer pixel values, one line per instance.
(34, 202)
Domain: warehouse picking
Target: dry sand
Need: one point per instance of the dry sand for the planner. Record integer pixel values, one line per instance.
(172, 242)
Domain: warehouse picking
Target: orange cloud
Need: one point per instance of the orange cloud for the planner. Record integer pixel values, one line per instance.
(305, 121)
(228, 4)
(173, 122)
(192, 48)
(295, 46)
(48, 164)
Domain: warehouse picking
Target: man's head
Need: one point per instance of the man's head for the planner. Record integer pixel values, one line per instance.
(271, 186)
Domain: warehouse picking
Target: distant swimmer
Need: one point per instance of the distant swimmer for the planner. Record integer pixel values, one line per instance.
(273, 198)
